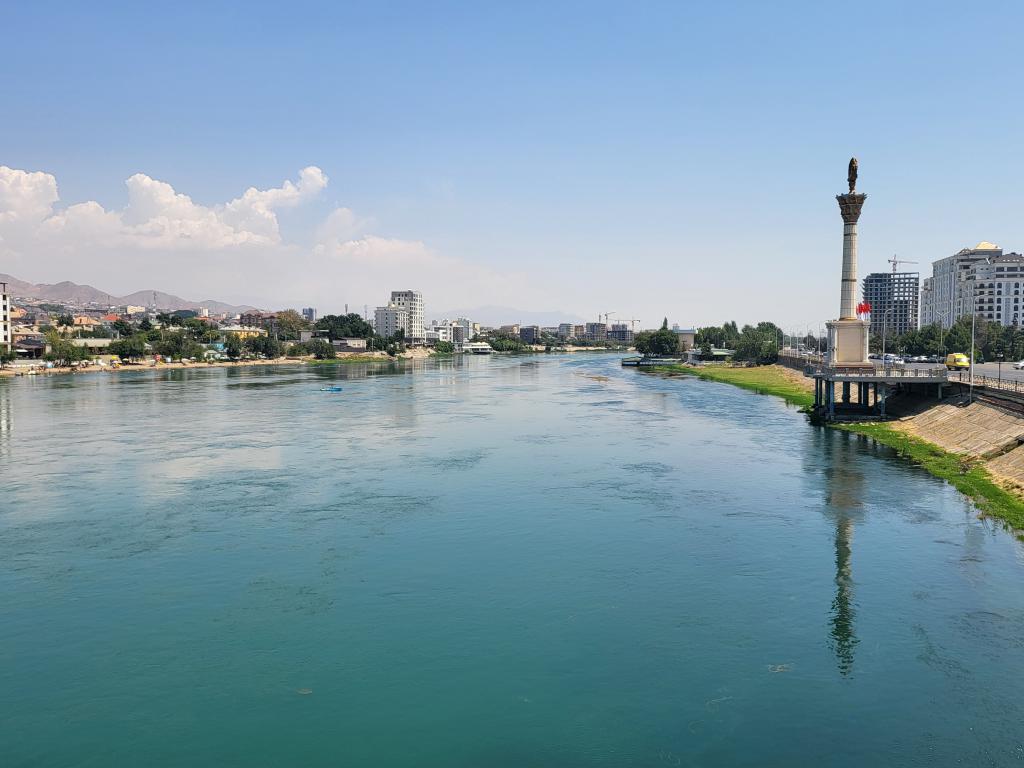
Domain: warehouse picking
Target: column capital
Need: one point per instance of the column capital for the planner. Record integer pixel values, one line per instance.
(850, 205)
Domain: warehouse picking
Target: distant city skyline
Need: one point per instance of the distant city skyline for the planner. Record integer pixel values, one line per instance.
(662, 160)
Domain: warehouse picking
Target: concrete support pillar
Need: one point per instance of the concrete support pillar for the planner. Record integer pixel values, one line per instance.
(885, 395)
(846, 393)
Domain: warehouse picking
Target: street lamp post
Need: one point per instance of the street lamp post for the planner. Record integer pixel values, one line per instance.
(885, 315)
(974, 314)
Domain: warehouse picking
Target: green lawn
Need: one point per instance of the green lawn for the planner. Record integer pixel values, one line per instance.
(765, 380)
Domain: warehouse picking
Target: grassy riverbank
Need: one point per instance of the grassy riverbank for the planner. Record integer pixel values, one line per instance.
(765, 380)
(967, 474)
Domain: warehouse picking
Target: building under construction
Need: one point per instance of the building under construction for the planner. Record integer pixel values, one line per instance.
(893, 297)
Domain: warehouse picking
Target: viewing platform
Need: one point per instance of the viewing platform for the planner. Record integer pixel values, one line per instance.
(859, 392)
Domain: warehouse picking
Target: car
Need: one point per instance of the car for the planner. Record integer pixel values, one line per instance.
(1019, 365)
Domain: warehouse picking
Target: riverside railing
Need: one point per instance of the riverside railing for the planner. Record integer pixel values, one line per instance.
(876, 371)
(989, 382)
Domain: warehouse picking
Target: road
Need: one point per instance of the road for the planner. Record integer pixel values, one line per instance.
(983, 369)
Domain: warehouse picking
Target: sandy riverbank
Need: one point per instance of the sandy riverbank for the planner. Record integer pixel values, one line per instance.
(344, 357)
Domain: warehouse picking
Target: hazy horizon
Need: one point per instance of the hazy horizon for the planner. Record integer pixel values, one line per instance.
(649, 161)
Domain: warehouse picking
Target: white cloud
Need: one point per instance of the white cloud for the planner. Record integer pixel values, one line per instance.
(164, 239)
(25, 197)
(156, 217)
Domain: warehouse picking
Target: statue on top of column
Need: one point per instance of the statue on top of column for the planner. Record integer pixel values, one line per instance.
(851, 174)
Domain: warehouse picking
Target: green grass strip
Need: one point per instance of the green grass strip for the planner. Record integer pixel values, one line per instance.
(765, 380)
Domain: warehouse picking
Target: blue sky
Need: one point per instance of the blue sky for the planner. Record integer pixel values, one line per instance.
(655, 159)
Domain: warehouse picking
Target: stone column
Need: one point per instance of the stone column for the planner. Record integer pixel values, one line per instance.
(849, 206)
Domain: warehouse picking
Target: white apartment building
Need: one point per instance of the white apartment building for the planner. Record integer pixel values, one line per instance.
(948, 293)
(390, 320)
(997, 289)
(5, 318)
(412, 303)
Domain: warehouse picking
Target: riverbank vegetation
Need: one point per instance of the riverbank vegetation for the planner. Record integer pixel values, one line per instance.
(763, 379)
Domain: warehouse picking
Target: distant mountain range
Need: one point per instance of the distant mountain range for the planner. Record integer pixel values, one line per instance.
(73, 293)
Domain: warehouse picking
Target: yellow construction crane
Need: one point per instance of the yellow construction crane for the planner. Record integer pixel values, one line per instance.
(894, 261)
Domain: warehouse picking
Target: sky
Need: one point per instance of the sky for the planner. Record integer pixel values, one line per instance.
(651, 160)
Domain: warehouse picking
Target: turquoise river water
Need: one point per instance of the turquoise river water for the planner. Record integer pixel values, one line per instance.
(517, 561)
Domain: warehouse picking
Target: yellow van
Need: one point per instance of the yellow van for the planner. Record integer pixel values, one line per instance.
(957, 361)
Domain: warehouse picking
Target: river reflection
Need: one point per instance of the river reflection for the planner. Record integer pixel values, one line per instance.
(844, 493)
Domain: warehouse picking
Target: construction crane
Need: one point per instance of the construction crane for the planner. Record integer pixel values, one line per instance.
(632, 324)
(894, 261)
(606, 316)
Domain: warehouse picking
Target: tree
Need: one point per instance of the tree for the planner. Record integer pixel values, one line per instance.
(200, 330)
(233, 346)
(267, 346)
(146, 325)
(62, 351)
(130, 347)
(65, 320)
(350, 326)
(7, 356)
(322, 349)
(659, 343)
(444, 348)
(178, 345)
(122, 327)
(290, 323)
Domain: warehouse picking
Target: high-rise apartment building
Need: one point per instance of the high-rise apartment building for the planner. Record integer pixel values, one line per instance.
(949, 293)
(996, 285)
(621, 333)
(309, 314)
(412, 303)
(390, 320)
(5, 318)
(893, 297)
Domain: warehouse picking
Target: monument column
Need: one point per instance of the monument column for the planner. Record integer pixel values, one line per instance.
(849, 206)
(848, 336)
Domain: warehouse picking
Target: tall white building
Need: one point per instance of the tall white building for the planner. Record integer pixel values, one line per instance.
(948, 294)
(5, 318)
(391, 319)
(412, 303)
(997, 289)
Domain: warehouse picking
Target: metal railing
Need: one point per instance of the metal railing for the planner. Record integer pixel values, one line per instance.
(989, 382)
(887, 372)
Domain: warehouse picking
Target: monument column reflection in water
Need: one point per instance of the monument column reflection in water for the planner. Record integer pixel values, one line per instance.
(845, 488)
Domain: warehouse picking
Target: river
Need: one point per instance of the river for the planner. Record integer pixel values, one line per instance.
(511, 561)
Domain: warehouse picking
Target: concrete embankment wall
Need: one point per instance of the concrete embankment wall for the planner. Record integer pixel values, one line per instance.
(986, 430)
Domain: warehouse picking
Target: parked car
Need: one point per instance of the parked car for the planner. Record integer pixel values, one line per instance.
(892, 360)
(1019, 365)
(957, 361)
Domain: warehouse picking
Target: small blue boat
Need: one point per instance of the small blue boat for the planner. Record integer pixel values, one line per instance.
(331, 388)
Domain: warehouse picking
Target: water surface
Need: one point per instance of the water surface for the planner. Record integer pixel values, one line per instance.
(509, 561)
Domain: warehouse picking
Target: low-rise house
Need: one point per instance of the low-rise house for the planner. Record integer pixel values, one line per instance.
(349, 345)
